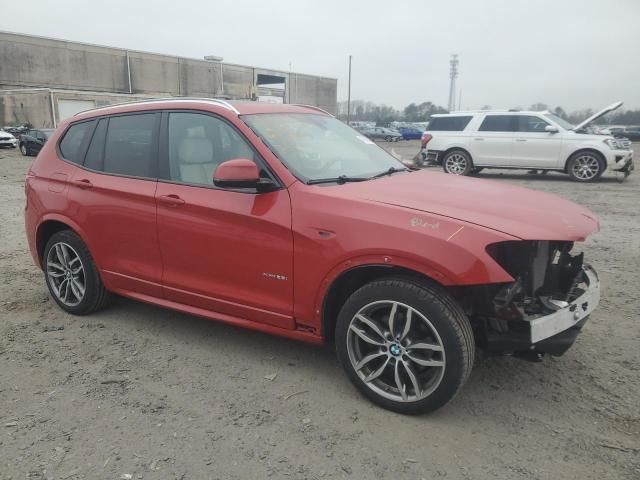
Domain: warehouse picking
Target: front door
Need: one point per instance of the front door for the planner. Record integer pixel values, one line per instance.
(535, 147)
(229, 252)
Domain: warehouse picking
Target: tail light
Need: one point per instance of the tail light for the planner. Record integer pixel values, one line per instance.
(426, 138)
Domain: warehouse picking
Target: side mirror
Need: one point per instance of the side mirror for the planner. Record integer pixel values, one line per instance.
(551, 129)
(241, 173)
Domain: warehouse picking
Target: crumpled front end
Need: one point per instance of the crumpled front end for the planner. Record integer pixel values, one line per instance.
(543, 310)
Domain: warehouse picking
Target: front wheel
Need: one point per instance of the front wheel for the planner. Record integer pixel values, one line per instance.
(407, 346)
(24, 150)
(457, 162)
(585, 167)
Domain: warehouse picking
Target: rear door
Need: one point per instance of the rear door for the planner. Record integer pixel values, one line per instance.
(535, 147)
(226, 251)
(113, 198)
(492, 143)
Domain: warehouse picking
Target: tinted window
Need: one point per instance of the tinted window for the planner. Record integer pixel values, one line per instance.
(129, 148)
(71, 146)
(95, 153)
(498, 123)
(529, 123)
(198, 143)
(449, 124)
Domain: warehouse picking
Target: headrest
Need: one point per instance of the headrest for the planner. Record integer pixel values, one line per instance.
(195, 150)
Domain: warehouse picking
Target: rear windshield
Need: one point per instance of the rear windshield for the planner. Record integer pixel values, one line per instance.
(449, 124)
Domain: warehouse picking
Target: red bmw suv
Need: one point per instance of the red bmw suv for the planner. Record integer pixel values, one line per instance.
(282, 219)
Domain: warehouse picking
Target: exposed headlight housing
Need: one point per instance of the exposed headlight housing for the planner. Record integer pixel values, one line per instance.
(614, 143)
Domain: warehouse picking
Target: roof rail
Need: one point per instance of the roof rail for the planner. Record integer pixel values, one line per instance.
(217, 101)
(312, 107)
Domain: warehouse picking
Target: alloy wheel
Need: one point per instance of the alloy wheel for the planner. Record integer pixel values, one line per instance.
(396, 351)
(585, 167)
(456, 164)
(66, 274)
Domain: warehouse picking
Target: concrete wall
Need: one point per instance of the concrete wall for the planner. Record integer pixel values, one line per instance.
(34, 106)
(27, 61)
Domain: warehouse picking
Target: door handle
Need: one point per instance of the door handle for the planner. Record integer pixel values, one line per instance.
(82, 183)
(521, 139)
(171, 200)
(479, 139)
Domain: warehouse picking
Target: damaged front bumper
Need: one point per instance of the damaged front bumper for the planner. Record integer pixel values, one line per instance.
(567, 316)
(542, 311)
(554, 332)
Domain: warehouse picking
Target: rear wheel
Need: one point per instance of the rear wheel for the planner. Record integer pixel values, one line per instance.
(457, 162)
(407, 346)
(585, 166)
(71, 275)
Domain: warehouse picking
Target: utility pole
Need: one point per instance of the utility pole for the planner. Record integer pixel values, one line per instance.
(453, 73)
(460, 100)
(289, 85)
(349, 94)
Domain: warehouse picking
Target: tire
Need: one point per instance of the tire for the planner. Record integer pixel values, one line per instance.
(476, 170)
(388, 138)
(24, 150)
(439, 333)
(457, 162)
(62, 254)
(585, 166)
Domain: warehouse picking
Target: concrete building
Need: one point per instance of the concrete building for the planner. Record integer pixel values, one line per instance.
(43, 80)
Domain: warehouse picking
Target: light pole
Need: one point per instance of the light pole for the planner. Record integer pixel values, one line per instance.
(349, 94)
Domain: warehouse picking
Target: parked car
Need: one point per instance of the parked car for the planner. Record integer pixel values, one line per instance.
(33, 140)
(410, 133)
(282, 219)
(466, 142)
(7, 140)
(381, 133)
(631, 133)
(17, 130)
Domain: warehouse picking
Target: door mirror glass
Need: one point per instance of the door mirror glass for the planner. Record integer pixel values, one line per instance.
(551, 129)
(237, 173)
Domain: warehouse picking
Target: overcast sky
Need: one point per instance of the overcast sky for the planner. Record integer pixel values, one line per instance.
(573, 53)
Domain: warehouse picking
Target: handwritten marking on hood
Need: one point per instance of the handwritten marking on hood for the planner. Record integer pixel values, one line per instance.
(419, 222)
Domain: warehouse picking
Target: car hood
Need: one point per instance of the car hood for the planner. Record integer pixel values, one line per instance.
(595, 116)
(519, 212)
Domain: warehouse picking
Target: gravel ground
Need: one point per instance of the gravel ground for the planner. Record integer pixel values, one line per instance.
(141, 392)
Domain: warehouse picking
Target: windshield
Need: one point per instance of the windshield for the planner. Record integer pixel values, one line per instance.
(316, 147)
(563, 123)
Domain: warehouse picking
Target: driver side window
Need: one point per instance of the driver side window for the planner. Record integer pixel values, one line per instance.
(529, 123)
(198, 143)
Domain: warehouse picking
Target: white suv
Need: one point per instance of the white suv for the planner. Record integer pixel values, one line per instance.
(466, 142)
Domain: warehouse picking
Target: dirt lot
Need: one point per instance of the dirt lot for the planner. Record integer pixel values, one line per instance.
(141, 391)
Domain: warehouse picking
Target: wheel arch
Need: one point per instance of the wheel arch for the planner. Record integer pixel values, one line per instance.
(350, 280)
(50, 225)
(595, 151)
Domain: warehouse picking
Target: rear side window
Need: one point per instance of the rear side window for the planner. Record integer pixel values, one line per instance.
(130, 146)
(74, 141)
(449, 124)
(499, 123)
